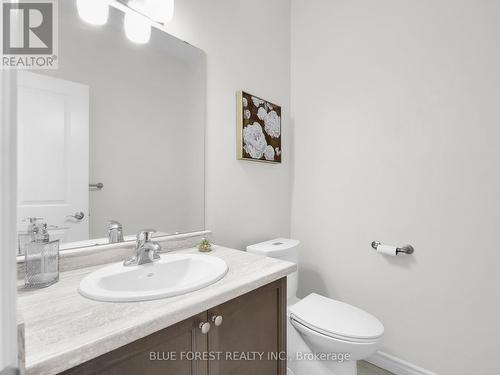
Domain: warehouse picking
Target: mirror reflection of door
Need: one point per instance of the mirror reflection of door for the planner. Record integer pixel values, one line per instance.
(53, 155)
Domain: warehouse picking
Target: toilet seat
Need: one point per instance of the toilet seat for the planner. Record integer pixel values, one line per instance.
(326, 335)
(336, 319)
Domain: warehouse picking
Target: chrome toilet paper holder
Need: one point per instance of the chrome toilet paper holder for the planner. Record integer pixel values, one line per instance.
(408, 249)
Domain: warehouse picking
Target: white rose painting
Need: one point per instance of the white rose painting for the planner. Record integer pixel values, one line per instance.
(259, 129)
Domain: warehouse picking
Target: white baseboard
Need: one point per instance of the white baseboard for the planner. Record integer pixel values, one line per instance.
(396, 365)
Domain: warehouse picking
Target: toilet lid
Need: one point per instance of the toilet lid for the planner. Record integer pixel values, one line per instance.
(273, 248)
(336, 319)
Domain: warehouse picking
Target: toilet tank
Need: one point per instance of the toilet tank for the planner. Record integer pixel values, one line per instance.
(281, 248)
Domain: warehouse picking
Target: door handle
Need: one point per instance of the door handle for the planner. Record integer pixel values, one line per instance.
(77, 216)
(98, 186)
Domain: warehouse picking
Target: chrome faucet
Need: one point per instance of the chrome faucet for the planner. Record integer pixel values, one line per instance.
(146, 251)
(115, 232)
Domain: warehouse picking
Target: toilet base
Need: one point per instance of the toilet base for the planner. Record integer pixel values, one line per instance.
(298, 346)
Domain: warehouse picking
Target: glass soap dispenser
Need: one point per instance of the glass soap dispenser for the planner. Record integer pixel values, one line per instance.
(42, 259)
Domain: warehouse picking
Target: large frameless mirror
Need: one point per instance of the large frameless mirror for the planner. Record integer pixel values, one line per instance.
(112, 141)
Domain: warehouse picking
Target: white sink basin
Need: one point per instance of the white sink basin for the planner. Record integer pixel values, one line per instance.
(172, 275)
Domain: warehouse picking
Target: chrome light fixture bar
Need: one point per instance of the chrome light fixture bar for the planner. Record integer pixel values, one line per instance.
(159, 12)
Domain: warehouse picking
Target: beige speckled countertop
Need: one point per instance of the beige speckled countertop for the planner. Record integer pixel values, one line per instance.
(64, 329)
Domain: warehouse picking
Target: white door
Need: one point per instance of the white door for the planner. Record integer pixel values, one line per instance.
(53, 154)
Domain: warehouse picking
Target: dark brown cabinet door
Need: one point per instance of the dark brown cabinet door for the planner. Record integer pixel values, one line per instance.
(253, 325)
(152, 355)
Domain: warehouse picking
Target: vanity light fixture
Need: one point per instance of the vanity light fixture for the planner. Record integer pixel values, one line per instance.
(95, 12)
(137, 28)
(140, 15)
(144, 14)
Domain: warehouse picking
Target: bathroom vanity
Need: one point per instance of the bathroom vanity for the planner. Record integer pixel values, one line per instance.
(258, 317)
(245, 311)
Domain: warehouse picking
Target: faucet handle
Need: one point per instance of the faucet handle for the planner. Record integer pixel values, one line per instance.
(115, 231)
(145, 235)
(113, 224)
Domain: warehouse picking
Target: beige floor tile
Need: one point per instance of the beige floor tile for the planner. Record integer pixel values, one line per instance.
(365, 368)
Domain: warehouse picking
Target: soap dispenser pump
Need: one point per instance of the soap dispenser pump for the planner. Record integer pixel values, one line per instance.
(24, 238)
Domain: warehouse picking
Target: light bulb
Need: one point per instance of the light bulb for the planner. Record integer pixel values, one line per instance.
(95, 12)
(137, 28)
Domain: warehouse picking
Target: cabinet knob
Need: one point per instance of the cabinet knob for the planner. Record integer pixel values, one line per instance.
(217, 320)
(204, 327)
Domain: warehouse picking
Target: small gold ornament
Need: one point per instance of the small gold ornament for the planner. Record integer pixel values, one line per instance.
(205, 246)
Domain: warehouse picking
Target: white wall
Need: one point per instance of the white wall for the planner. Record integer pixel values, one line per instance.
(396, 130)
(248, 47)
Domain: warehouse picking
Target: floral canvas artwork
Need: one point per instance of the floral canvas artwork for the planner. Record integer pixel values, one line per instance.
(259, 129)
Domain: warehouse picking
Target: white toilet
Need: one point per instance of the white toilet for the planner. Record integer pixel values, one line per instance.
(325, 336)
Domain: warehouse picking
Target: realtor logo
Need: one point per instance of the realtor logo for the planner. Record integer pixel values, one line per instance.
(29, 34)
